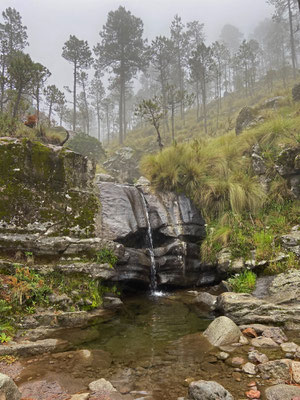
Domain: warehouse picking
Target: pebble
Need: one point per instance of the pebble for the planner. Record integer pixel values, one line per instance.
(237, 361)
(253, 394)
(249, 368)
(222, 356)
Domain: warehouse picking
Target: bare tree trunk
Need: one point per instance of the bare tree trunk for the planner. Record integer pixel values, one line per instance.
(98, 124)
(292, 39)
(173, 121)
(17, 103)
(74, 96)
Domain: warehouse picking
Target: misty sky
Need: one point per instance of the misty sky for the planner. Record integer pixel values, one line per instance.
(50, 22)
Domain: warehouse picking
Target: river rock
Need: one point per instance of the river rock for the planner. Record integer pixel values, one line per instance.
(278, 369)
(222, 331)
(206, 300)
(289, 347)
(8, 389)
(101, 385)
(257, 357)
(282, 392)
(263, 342)
(249, 368)
(208, 390)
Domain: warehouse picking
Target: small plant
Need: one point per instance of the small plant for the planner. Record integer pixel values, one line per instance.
(4, 338)
(106, 256)
(263, 242)
(243, 282)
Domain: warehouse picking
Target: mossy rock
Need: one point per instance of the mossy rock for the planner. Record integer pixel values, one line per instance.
(46, 187)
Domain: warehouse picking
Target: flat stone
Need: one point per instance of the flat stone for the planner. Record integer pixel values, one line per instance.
(249, 368)
(263, 342)
(289, 347)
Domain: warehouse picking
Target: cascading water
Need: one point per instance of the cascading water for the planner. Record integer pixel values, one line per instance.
(153, 280)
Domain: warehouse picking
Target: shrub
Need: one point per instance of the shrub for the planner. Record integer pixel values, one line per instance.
(106, 256)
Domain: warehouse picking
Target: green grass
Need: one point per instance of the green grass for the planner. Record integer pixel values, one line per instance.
(243, 282)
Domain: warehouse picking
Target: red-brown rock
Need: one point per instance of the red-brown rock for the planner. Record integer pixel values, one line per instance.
(250, 332)
(253, 394)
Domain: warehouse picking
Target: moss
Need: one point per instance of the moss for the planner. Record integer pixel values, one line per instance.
(41, 184)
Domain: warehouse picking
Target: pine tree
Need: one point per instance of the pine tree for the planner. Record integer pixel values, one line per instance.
(78, 53)
(122, 51)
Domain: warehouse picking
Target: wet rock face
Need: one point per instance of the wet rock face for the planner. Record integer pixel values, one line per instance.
(176, 225)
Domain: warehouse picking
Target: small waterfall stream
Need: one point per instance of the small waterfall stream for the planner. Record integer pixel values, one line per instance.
(153, 280)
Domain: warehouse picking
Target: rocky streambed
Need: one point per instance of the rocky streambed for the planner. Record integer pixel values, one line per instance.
(154, 347)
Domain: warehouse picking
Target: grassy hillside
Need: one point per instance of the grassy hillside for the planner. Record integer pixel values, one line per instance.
(144, 137)
(216, 172)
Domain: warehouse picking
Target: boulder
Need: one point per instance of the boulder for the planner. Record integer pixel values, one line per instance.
(285, 288)
(206, 301)
(8, 389)
(287, 164)
(245, 119)
(291, 242)
(222, 331)
(282, 392)
(246, 309)
(273, 102)
(208, 390)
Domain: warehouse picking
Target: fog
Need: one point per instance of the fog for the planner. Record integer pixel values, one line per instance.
(50, 22)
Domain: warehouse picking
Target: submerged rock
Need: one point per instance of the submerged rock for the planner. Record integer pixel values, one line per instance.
(282, 392)
(208, 390)
(101, 386)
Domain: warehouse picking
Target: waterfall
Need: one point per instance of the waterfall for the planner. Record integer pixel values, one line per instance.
(153, 280)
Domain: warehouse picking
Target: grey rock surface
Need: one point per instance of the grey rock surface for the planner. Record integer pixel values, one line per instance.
(8, 389)
(222, 331)
(282, 392)
(208, 390)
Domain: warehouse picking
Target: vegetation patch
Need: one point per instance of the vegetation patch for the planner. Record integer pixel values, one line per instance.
(243, 282)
